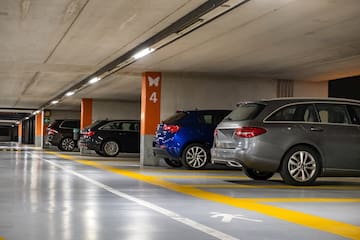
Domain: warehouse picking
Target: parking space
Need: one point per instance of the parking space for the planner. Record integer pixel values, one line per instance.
(67, 196)
(182, 119)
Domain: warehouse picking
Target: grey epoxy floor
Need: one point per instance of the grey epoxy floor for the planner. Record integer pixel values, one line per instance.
(46, 195)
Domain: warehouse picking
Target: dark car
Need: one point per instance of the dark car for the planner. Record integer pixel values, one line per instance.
(60, 134)
(185, 138)
(109, 137)
(301, 139)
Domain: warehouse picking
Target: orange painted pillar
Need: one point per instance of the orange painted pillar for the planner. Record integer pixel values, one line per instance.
(86, 112)
(150, 115)
(20, 133)
(39, 133)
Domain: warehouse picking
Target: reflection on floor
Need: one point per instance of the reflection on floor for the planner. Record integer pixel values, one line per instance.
(57, 195)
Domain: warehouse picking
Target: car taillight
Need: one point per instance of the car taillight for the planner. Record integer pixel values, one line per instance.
(249, 132)
(215, 132)
(171, 128)
(89, 134)
(52, 131)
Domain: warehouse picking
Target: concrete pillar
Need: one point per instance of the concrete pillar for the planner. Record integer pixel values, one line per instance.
(86, 112)
(20, 133)
(150, 116)
(39, 130)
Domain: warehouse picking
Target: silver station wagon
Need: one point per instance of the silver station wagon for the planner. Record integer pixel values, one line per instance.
(301, 139)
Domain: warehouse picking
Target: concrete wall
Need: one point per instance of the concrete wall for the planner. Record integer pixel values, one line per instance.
(103, 109)
(63, 114)
(310, 89)
(187, 91)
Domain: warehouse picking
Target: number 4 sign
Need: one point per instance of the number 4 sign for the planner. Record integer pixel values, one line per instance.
(150, 102)
(153, 97)
(153, 84)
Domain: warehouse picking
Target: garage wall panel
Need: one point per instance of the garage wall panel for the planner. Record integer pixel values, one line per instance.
(187, 92)
(310, 89)
(103, 109)
(63, 114)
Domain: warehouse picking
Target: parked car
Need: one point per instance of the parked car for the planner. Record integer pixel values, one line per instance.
(185, 138)
(300, 138)
(60, 134)
(109, 137)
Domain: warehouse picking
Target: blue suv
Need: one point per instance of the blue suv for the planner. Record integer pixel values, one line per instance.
(185, 138)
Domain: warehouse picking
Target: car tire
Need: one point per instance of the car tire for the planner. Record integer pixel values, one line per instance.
(100, 153)
(173, 163)
(257, 175)
(195, 156)
(67, 144)
(110, 148)
(301, 166)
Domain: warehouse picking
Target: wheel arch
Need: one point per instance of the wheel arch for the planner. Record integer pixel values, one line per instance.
(111, 139)
(318, 152)
(194, 142)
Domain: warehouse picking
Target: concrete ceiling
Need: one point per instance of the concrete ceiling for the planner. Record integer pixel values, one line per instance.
(48, 46)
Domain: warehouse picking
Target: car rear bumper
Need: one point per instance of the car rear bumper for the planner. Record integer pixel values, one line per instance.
(90, 144)
(161, 153)
(241, 158)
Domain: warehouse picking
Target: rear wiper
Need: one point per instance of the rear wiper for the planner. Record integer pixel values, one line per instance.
(228, 118)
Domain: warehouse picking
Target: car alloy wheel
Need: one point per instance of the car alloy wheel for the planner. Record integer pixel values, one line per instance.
(195, 156)
(67, 144)
(301, 166)
(110, 148)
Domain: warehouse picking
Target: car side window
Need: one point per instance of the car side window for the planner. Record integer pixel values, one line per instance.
(332, 113)
(354, 112)
(110, 126)
(298, 113)
(125, 126)
(134, 127)
(206, 119)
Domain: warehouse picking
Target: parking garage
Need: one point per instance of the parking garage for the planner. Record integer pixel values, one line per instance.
(89, 60)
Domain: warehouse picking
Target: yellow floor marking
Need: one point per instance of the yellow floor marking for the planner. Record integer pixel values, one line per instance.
(201, 176)
(344, 187)
(304, 219)
(112, 160)
(191, 171)
(312, 200)
(2, 238)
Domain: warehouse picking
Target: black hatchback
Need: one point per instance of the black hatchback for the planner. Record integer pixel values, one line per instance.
(109, 137)
(60, 134)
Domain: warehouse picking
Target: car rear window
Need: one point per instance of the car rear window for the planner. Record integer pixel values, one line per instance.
(54, 124)
(175, 118)
(245, 111)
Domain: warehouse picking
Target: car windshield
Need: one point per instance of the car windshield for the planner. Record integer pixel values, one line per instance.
(245, 111)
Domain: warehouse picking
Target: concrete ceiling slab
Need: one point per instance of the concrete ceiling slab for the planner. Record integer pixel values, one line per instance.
(48, 46)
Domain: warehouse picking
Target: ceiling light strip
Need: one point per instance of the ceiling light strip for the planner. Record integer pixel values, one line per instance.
(205, 13)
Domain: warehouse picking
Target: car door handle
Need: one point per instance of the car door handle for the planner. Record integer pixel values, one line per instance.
(316, 129)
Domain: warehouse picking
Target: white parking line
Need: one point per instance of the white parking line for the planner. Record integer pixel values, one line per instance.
(174, 216)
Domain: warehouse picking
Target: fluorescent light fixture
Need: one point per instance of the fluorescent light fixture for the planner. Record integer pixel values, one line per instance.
(94, 80)
(27, 118)
(55, 102)
(143, 53)
(36, 112)
(69, 93)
